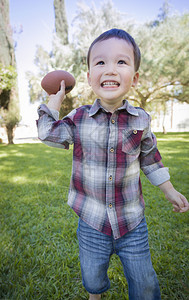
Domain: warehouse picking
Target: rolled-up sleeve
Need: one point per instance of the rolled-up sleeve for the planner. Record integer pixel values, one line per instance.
(159, 176)
(52, 131)
(150, 159)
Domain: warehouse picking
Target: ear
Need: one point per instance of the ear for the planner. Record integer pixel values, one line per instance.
(89, 78)
(135, 79)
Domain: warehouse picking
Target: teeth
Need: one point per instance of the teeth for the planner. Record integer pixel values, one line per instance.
(110, 83)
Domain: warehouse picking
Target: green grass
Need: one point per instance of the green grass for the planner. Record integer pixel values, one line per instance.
(38, 243)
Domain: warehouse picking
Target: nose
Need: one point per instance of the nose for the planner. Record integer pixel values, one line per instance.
(111, 69)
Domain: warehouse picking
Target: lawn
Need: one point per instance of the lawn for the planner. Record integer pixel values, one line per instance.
(38, 244)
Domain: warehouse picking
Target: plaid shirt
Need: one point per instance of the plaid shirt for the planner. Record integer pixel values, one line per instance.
(109, 150)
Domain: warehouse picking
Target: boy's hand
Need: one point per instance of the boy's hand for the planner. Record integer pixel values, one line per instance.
(56, 100)
(180, 203)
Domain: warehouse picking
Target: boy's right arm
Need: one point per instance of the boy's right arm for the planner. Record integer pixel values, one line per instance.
(52, 131)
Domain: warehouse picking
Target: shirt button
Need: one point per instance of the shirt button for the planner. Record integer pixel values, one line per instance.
(110, 177)
(112, 150)
(110, 205)
(135, 131)
(113, 121)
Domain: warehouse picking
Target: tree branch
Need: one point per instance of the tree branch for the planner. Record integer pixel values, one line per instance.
(133, 99)
(173, 82)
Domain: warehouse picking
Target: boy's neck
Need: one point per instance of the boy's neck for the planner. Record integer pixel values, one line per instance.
(111, 107)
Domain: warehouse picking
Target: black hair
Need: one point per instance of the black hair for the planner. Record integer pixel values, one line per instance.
(119, 34)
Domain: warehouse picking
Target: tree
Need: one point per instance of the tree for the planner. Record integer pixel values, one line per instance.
(9, 106)
(61, 23)
(72, 56)
(61, 26)
(164, 70)
(59, 58)
(164, 67)
(164, 12)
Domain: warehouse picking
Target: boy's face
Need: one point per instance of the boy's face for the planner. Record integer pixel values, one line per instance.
(112, 72)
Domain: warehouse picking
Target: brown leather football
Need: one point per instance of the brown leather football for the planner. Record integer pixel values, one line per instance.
(51, 82)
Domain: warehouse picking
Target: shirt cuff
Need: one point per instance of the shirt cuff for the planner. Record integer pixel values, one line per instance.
(55, 113)
(159, 176)
(52, 112)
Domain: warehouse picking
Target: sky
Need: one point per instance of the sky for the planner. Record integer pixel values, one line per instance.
(36, 19)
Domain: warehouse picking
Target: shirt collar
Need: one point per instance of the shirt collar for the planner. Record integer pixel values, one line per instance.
(96, 106)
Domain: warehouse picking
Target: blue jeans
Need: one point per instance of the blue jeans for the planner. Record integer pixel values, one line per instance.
(95, 250)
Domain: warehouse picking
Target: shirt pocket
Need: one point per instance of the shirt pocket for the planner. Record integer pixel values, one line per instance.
(131, 141)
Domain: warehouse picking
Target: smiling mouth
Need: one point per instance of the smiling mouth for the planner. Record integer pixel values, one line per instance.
(110, 84)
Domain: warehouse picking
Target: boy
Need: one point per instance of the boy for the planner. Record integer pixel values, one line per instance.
(112, 141)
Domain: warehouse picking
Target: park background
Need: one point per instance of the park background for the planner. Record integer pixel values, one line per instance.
(33, 24)
(38, 242)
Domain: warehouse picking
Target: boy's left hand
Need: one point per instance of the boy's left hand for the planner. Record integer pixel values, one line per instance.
(180, 203)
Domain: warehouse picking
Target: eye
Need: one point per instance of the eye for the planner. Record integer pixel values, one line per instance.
(100, 62)
(122, 62)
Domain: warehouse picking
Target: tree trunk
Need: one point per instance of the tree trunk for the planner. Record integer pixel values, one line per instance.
(10, 134)
(143, 104)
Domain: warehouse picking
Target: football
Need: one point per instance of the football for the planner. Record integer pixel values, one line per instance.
(51, 82)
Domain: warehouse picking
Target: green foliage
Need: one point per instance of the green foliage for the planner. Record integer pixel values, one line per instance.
(9, 104)
(7, 56)
(61, 23)
(9, 108)
(10, 117)
(165, 61)
(8, 77)
(39, 248)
